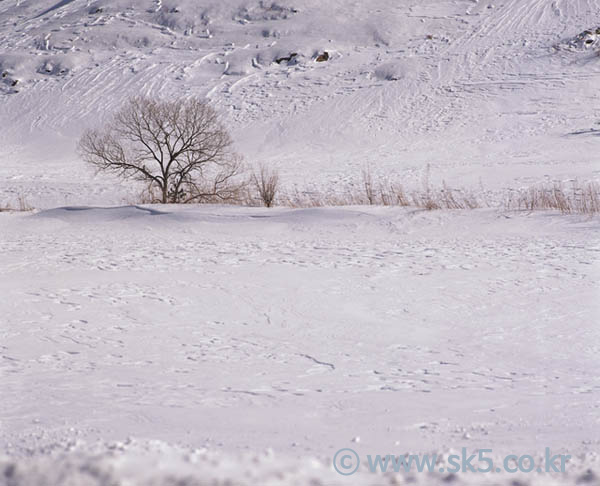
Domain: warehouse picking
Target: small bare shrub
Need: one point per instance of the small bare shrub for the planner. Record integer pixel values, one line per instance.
(266, 183)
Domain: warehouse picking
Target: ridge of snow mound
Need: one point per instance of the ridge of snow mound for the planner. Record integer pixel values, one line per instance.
(408, 69)
(264, 10)
(94, 214)
(208, 213)
(320, 215)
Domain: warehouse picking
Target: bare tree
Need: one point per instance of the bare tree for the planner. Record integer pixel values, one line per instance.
(267, 184)
(178, 147)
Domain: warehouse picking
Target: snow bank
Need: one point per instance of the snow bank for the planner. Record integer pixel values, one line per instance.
(91, 215)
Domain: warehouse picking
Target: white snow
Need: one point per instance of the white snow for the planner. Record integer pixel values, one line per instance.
(485, 95)
(240, 330)
(249, 345)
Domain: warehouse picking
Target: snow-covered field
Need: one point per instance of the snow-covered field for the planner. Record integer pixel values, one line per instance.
(299, 331)
(228, 345)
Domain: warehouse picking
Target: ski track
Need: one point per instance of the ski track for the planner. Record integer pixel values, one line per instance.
(474, 81)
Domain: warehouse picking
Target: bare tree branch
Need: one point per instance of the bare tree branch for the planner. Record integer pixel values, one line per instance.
(266, 182)
(180, 147)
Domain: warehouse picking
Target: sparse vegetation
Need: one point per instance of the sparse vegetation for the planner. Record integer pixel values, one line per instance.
(266, 183)
(390, 194)
(20, 205)
(576, 197)
(264, 189)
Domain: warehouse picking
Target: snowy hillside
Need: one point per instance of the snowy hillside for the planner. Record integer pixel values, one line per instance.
(489, 93)
(186, 345)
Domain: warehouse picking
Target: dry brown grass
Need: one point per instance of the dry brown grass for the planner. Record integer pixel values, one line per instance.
(21, 205)
(391, 194)
(384, 192)
(238, 195)
(263, 189)
(576, 197)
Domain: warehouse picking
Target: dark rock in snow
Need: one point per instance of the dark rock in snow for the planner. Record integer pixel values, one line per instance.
(287, 59)
(322, 57)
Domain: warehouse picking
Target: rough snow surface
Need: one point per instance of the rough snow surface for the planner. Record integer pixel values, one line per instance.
(242, 330)
(154, 463)
(247, 346)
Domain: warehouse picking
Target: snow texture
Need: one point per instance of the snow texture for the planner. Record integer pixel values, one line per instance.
(238, 331)
(486, 93)
(221, 345)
